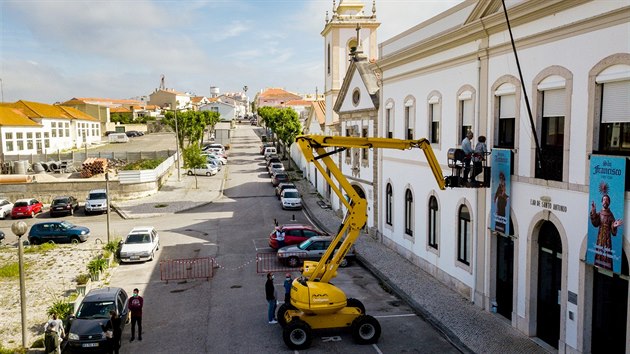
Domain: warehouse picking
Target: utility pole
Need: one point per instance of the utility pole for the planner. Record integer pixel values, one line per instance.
(107, 195)
(179, 176)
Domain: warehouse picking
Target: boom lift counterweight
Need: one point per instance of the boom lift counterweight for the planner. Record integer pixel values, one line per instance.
(315, 303)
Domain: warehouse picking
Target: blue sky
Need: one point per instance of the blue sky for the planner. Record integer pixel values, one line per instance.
(53, 50)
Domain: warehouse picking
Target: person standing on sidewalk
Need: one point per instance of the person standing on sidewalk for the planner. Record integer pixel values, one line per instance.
(54, 333)
(114, 325)
(287, 289)
(135, 308)
(270, 293)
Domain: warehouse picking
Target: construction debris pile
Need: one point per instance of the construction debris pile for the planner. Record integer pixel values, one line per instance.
(93, 166)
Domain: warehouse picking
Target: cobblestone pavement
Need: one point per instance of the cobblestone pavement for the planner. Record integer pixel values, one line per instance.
(470, 328)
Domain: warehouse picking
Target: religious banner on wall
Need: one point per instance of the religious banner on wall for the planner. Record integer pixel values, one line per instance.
(606, 210)
(501, 160)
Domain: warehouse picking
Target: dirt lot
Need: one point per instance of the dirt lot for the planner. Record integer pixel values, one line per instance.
(49, 277)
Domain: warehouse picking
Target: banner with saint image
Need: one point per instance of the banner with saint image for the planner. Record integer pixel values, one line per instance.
(501, 160)
(606, 210)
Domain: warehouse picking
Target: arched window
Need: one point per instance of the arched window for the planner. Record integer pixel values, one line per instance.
(408, 213)
(464, 231)
(435, 116)
(433, 223)
(388, 204)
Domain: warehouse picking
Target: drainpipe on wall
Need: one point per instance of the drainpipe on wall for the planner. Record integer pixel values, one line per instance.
(478, 212)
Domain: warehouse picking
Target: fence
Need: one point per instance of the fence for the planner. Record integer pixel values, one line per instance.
(269, 262)
(140, 176)
(190, 268)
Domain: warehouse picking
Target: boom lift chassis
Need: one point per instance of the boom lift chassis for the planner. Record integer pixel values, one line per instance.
(315, 302)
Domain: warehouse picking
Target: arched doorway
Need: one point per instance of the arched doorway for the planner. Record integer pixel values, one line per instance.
(505, 274)
(549, 284)
(610, 310)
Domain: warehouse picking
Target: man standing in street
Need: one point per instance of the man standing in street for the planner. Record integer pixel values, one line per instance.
(135, 308)
(287, 289)
(270, 293)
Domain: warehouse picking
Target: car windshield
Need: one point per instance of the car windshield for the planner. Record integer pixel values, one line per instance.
(97, 196)
(291, 195)
(60, 201)
(20, 204)
(96, 309)
(66, 225)
(138, 238)
(304, 245)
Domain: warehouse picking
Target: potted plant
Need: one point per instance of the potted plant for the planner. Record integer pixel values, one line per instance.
(83, 281)
(95, 267)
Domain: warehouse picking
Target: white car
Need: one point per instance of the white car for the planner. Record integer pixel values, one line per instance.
(290, 199)
(140, 245)
(208, 170)
(96, 202)
(5, 208)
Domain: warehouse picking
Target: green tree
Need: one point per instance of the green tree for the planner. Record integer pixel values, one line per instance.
(288, 127)
(211, 119)
(269, 116)
(194, 159)
(190, 125)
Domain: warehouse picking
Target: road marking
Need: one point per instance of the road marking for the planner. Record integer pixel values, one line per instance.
(377, 349)
(331, 339)
(391, 316)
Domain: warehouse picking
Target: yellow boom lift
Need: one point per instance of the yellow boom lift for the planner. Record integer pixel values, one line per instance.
(315, 302)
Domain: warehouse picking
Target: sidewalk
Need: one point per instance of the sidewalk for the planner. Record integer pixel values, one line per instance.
(469, 328)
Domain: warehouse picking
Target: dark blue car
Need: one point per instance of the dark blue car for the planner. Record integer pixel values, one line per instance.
(57, 232)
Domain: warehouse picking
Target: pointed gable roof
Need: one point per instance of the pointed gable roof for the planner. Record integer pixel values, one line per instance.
(368, 77)
(36, 110)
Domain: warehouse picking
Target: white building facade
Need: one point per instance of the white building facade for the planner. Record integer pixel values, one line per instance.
(457, 72)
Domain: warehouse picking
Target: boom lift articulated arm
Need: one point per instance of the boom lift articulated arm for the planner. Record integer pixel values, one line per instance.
(315, 302)
(356, 216)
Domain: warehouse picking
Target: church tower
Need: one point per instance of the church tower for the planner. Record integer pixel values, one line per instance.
(340, 37)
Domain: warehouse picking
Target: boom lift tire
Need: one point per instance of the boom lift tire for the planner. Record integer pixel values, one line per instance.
(298, 335)
(281, 311)
(352, 302)
(366, 330)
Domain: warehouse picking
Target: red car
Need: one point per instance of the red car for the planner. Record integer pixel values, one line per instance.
(294, 234)
(26, 208)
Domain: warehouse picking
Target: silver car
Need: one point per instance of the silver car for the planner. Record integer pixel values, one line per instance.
(311, 250)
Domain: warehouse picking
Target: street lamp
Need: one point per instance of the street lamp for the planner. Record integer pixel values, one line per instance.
(19, 229)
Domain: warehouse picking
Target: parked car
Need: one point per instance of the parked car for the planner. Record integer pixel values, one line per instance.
(118, 138)
(221, 159)
(273, 160)
(214, 145)
(264, 145)
(290, 199)
(64, 205)
(96, 202)
(216, 163)
(279, 178)
(86, 333)
(282, 186)
(26, 208)
(208, 170)
(275, 168)
(132, 133)
(5, 208)
(140, 245)
(216, 150)
(57, 232)
(270, 150)
(311, 250)
(294, 234)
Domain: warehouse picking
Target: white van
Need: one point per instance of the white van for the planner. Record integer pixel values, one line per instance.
(270, 150)
(118, 138)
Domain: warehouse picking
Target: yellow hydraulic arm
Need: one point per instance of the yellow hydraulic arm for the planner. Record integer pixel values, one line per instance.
(356, 217)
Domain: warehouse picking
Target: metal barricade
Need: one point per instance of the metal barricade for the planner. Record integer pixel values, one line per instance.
(190, 268)
(269, 262)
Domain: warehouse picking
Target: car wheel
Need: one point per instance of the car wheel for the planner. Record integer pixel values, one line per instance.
(190, 173)
(352, 302)
(86, 212)
(75, 240)
(208, 174)
(297, 335)
(366, 330)
(344, 263)
(293, 262)
(34, 241)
